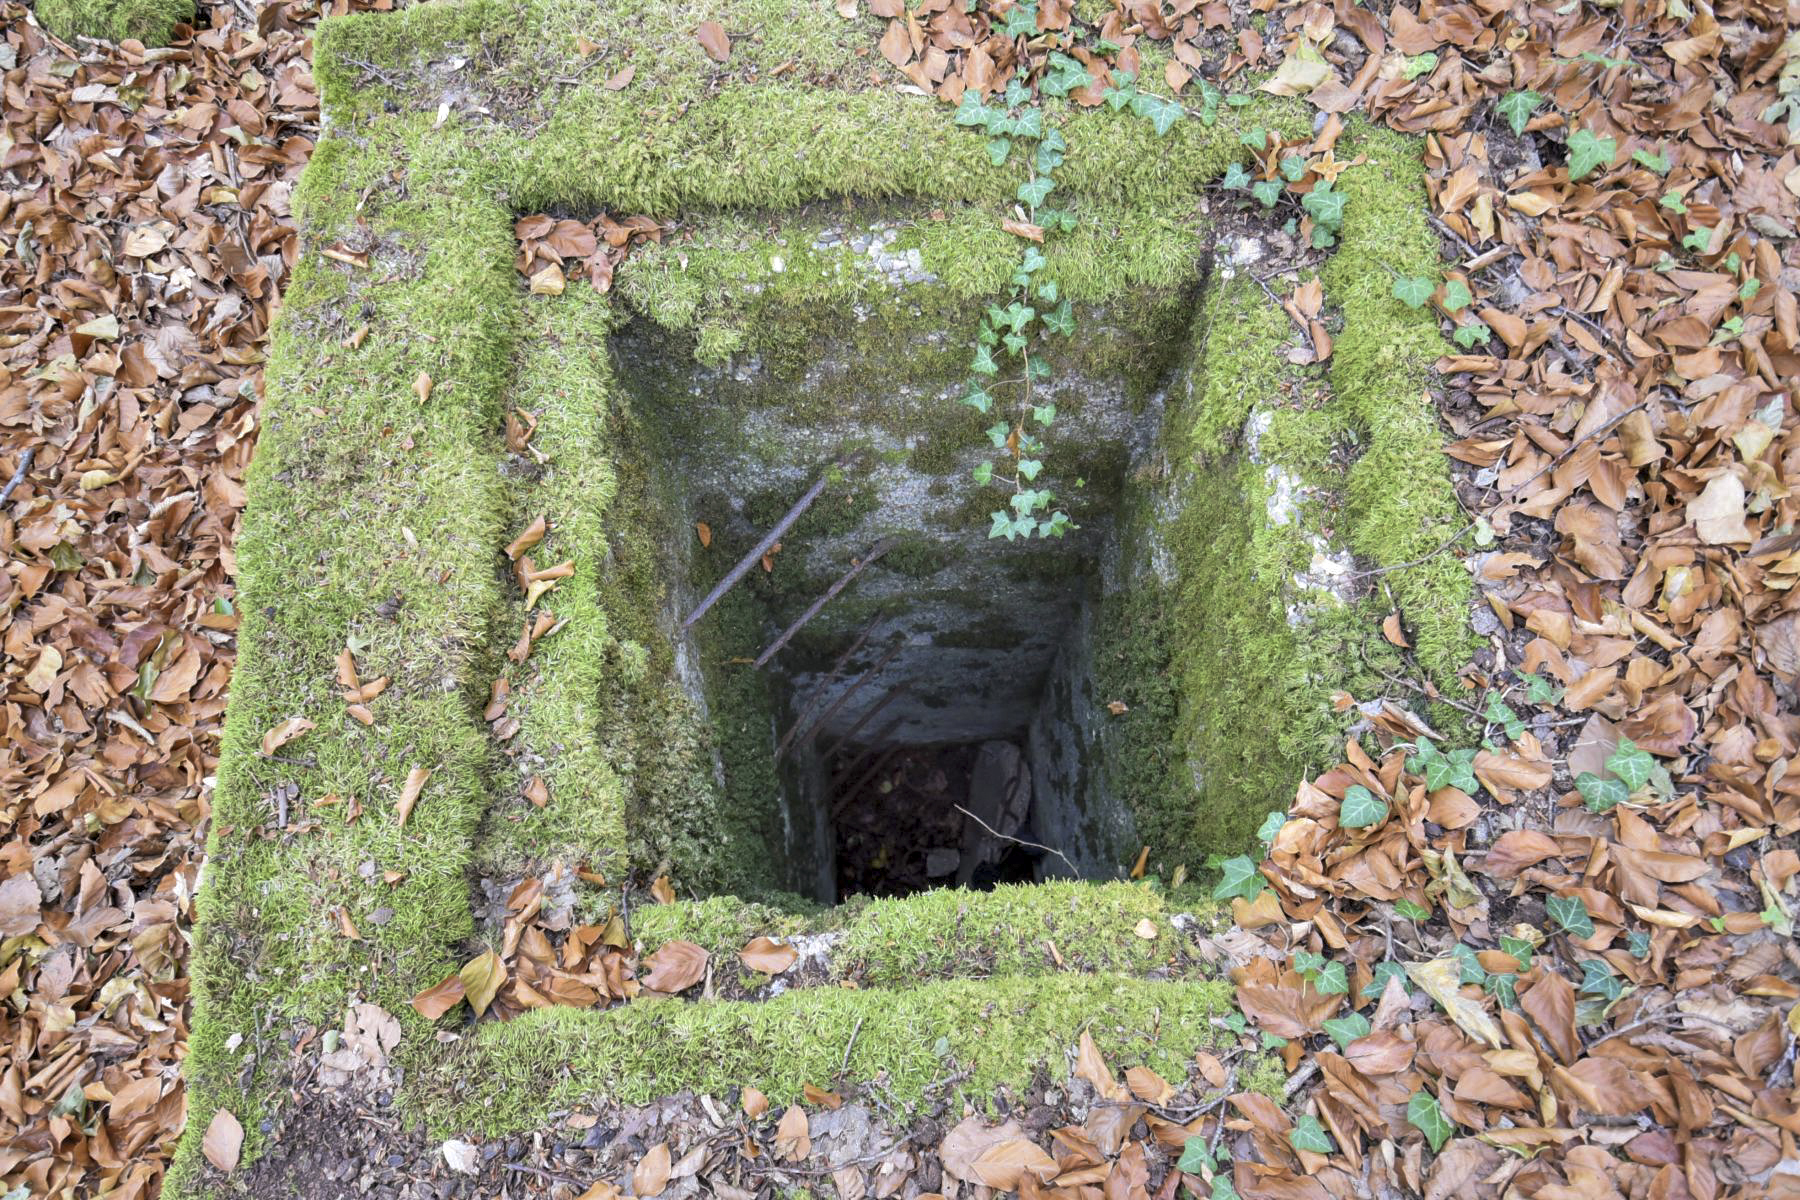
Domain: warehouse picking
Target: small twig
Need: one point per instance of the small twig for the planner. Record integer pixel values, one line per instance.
(1298, 1079)
(812, 610)
(761, 548)
(1429, 694)
(18, 475)
(1019, 841)
(865, 1161)
(374, 70)
(551, 1176)
(849, 1046)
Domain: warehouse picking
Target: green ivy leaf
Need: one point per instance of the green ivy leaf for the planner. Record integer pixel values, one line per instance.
(1472, 970)
(1050, 151)
(1036, 191)
(1195, 1157)
(1674, 203)
(1426, 1115)
(1030, 124)
(1257, 138)
(1472, 334)
(1160, 112)
(1308, 1134)
(972, 111)
(1002, 526)
(998, 150)
(1239, 877)
(1043, 414)
(1061, 319)
(1500, 713)
(1272, 1041)
(1118, 97)
(1588, 150)
(1520, 949)
(1631, 763)
(1236, 177)
(1457, 295)
(1029, 468)
(1021, 20)
(983, 363)
(1540, 689)
(1503, 987)
(1361, 808)
(998, 432)
(1293, 167)
(1697, 239)
(1601, 795)
(1058, 524)
(984, 474)
(978, 398)
(1385, 971)
(1325, 205)
(1570, 915)
(1456, 769)
(1656, 162)
(1597, 979)
(1517, 108)
(1270, 827)
(1414, 290)
(1330, 980)
(1412, 910)
(1266, 191)
(1638, 943)
(1346, 1029)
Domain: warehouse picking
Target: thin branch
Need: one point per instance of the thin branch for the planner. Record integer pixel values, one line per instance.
(1019, 841)
(18, 475)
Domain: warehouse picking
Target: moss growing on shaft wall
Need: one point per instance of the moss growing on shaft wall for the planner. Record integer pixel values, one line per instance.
(377, 523)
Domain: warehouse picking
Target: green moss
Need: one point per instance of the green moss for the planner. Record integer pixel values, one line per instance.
(151, 22)
(1401, 506)
(998, 1031)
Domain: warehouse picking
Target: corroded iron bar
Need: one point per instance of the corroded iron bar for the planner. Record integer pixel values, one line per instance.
(855, 686)
(761, 548)
(864, 720)
(812, 702)
(812, 610)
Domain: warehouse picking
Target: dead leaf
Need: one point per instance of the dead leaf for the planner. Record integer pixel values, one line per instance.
(284, 733)
(651, 1175)
(1717, 512)
(409, 794)
(439, 999)
(422, 387)
(792, 1140)
(1001, 1164)
(768, 957)
(675, 967)
(481, 979)
(755, 1103)
(1440, 978)
(224, 1141)
(711, 36)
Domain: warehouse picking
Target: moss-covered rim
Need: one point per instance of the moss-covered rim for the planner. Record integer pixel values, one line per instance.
(374, 521)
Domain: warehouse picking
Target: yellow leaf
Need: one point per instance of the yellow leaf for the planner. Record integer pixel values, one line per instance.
(1300, 72)
(1440, 978)
(481, 978)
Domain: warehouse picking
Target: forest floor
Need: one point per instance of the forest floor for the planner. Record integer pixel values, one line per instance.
(1596, 899)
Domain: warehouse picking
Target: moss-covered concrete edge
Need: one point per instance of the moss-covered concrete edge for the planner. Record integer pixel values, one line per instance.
(1014, 930)
(981, 1034)
(151, 22)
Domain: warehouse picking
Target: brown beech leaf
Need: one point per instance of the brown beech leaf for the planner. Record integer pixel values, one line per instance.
(1383, 1052)
(224, 1141)
(755, 1103)
(439, 999)
(651, 1175)
(662, 891)
(896, 45)
(1550, 1003)
(711, 36)
(1517, 849)
(768, 957)
(284, 733)
(792, 1140)
(1001, 1164)
(675, 967)
(409, 794)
